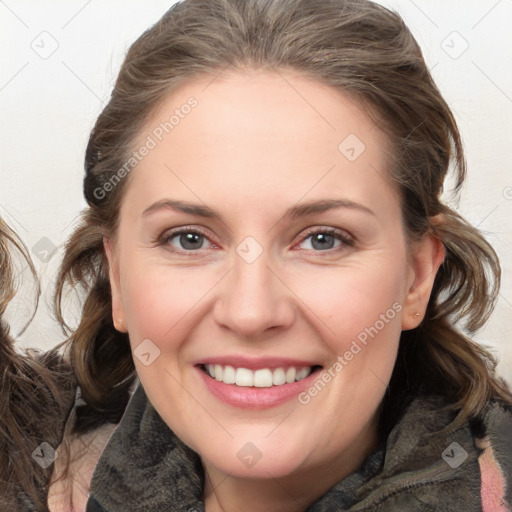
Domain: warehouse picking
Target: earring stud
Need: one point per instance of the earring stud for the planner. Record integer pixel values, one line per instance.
(416, 315)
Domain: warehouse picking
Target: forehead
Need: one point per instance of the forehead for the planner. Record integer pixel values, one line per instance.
(247, 130)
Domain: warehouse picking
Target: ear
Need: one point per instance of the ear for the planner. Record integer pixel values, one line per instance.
(427, 256)
(118, 315)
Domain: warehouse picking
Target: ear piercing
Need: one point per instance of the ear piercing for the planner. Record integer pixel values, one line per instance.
(416, 315)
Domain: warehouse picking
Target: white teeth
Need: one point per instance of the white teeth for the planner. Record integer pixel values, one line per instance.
(262, 378)
(244, 377)
(302, 373)
(278, 377)
(229, 375)
(290, 375)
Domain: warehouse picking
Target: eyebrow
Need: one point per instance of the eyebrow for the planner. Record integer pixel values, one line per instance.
(294, 212)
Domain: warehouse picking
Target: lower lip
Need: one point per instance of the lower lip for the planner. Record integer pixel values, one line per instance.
(246, 397)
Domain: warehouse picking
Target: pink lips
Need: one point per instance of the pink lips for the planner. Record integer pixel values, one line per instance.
(254, 397)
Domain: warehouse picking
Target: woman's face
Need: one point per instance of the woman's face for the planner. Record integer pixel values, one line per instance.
(258, 235)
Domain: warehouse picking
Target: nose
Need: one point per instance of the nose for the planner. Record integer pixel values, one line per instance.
(254, 299)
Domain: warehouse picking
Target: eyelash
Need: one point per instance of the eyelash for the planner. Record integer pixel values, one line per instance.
(343, 237)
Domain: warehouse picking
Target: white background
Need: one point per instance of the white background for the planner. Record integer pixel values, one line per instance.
(48, 106)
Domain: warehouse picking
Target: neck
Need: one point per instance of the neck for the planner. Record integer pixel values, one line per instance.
(291, 493)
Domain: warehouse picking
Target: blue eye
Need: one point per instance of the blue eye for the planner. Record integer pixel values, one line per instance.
(324, 239)
(189, 240)
(186, 241)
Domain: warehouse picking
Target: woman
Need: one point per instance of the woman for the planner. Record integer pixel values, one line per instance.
(36, 394)
(266, 250)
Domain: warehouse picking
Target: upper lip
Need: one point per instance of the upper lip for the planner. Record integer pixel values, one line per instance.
(255, 363)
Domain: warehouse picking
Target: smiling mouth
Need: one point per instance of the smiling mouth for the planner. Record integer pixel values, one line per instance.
(261, 378)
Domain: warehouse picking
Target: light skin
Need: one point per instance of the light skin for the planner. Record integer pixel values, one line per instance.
(253, 148)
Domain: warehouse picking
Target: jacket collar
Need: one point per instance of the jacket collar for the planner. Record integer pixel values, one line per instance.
(145, 466)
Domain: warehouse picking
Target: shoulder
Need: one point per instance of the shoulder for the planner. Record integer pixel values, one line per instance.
(77, 457)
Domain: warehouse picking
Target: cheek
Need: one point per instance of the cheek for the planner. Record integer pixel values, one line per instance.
(160, 300)
(358, 313)
(348, 300)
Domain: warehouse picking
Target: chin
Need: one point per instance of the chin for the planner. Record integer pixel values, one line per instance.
(252, 462)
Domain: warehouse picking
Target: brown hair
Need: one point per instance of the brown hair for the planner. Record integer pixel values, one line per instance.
(36, 392)
(363, 50)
